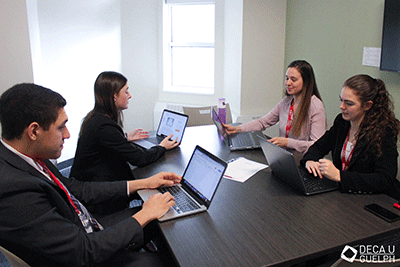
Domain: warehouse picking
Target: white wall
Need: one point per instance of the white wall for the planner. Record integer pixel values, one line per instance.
(15, 53)
(140, 60)
(233, 54)
(263, 54)
(78, 40)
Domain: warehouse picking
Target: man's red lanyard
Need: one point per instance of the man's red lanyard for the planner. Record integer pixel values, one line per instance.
(56, 181)
(289, 122)
(346, 163)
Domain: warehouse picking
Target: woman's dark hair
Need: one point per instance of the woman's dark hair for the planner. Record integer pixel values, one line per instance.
(25, 103)
(107, 84)
(309, 89)
(380, 117)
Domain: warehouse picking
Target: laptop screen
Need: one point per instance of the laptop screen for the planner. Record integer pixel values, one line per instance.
(172, 123)
(203, 174)
(221, 130)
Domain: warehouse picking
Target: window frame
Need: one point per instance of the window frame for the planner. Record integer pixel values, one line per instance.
(167, 50)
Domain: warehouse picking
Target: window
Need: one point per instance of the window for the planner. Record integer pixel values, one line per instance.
(188, 42)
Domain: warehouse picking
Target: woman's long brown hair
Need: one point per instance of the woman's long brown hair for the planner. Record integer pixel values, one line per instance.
(309, 89)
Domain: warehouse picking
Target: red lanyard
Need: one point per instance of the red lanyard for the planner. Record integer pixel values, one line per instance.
(346, 163)
(56, 181)
(289, 121)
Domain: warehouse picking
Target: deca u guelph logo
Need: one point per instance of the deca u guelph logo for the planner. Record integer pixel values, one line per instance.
(369, 254)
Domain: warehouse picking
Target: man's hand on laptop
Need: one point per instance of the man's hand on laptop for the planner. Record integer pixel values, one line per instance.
(155, 181)
(230, 129)
(163, 179)
(155, 207)
(137, 134)
(168, 143)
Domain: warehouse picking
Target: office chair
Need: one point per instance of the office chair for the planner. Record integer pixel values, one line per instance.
(202, 115)
(13, 259)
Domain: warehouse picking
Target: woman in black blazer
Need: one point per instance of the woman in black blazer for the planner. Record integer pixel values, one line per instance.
(104, 151)
(363, 141)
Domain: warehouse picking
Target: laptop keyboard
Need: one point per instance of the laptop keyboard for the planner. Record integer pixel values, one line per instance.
(312, 184)
(183, 203)
(244, 139)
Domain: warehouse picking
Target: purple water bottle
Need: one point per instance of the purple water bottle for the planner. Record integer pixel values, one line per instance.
(221, 108)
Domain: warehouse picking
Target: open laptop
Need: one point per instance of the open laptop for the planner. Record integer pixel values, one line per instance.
(171, 122)
(239, 141)
(199, 183)
(283, 166)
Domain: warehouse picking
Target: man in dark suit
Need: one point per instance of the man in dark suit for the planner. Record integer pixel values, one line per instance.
(43, 219)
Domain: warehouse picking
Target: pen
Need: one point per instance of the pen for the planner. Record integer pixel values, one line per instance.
(396, 205)
(232, 160)
(227, 176)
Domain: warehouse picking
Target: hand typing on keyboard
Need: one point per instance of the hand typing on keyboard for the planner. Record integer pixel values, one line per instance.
(183, 202)
(329, 170)
(169, 143)
(155, 207)
(161, 179)
(325, 168)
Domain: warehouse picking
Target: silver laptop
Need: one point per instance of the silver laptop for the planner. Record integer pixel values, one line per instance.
(171, 122)
(283, 166)
(239, 141)
(197, 188)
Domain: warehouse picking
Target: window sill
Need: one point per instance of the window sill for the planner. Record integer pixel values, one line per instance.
(190, 90)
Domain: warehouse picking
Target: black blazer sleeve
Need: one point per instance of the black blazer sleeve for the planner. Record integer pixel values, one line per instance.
(92, 193)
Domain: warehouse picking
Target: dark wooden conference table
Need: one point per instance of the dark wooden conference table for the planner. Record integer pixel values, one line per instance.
(262, 222)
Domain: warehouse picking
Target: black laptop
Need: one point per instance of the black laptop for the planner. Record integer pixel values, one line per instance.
(283, 166)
